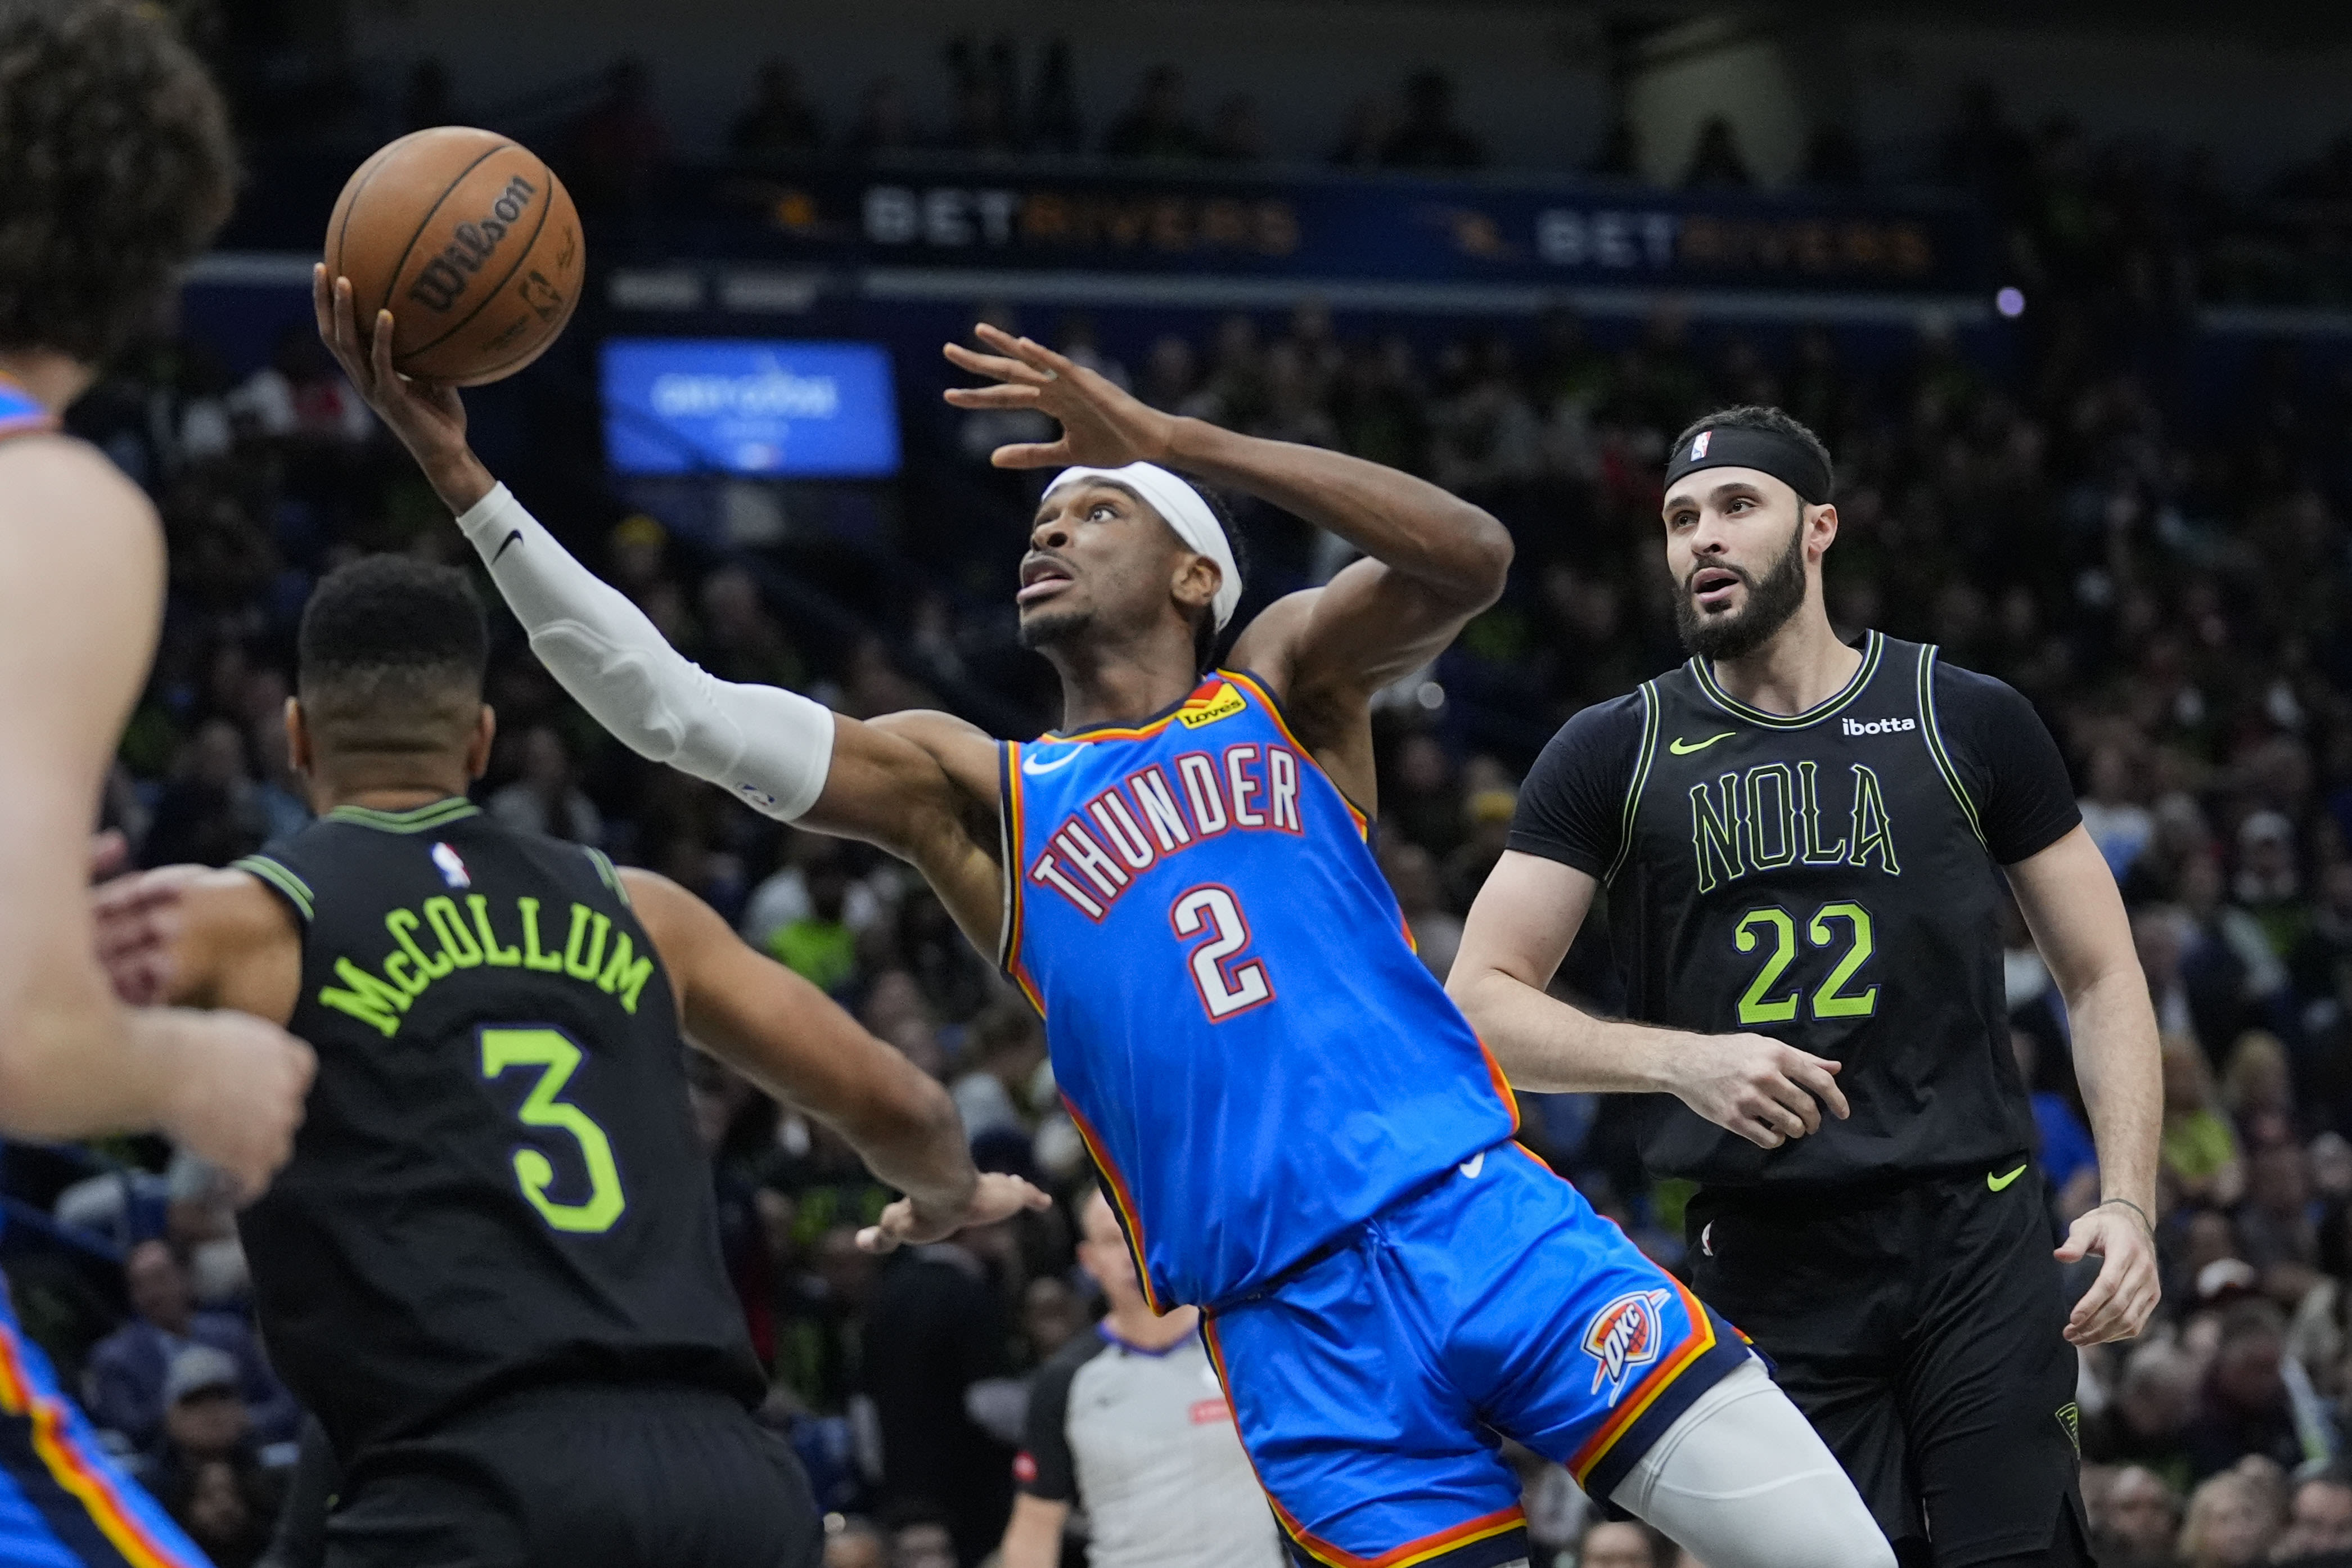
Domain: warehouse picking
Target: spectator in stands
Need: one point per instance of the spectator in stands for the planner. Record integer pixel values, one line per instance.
(619, 148)
(1413, 876)
(2320, 1518)
(2116, 821)
(226, 1512)
(1623, 1544)
(547, 798)
(2242, 1409)
(1155, 127)
(1128, 1421)
(426, 101)
(923, 1541)
(856, 1544)
(780, 121)
(2227, 1526)
(1716, 163)
(2137, 1521)
(129, 1378)
(299, 397)
(2278, 1223)
(2200, 1151)
(944, 1323)
(1053, 123)
(207, 1428)
(1428, 136)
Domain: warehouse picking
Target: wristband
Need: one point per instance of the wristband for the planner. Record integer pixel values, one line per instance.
(2135, 1209)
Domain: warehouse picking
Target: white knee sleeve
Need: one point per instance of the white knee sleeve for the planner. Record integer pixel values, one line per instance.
(1743, 1482)
(772, 747)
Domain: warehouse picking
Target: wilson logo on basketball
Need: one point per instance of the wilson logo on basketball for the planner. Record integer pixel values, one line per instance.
(470, 244)
(1626, 1334)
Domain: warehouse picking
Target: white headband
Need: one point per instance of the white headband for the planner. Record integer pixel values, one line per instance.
(1184, 511)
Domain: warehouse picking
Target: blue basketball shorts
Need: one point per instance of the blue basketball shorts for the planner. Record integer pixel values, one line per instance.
(1368, 1385)
(63, 1502)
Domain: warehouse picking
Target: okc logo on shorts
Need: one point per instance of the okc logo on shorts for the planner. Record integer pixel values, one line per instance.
(1624, 1334)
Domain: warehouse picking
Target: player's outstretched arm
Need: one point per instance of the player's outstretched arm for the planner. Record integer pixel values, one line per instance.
(795, 1043)
(1033, 1536)
(922, 786)
(77, 628)
(2072, 905)
(1434, 559)
(1518, 930)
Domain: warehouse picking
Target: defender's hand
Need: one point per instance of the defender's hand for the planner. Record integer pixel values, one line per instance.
(233, 1091)
(2118, 1304)
(427, 415)
(1102, 427)
(1765, 1091)
(135, 920)
(997, 1196)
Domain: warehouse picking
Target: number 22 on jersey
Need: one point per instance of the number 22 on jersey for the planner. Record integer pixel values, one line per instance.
(557, 1057)
(1228, 982)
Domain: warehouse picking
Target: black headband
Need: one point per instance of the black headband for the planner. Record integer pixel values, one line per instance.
(1791, 461)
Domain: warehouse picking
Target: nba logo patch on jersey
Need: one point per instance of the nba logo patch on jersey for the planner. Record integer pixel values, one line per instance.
(1624, 1334)
(453, 871)
(1698, 444)
(1222, 703)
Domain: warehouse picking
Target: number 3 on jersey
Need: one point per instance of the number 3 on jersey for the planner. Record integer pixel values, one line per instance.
(555, 1056)
(1227, 983)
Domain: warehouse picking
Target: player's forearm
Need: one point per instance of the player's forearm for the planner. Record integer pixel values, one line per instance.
(1544, 1045)
(2117, 1065)
(1406, 523)
(910, 1135)
(74, 1062)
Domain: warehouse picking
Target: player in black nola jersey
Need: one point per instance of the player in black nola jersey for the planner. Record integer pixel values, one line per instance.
(492, 1266)
(1803, 842)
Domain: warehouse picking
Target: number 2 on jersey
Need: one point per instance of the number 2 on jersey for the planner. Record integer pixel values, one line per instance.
(1227, 984)
(1829, 999)
(555, 1056)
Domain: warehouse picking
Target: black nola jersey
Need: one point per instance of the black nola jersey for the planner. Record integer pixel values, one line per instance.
(498, 1182)
(1831, 879)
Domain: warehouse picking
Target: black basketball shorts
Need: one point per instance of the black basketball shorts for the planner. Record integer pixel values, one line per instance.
(1920, 1328)
(585, 1476)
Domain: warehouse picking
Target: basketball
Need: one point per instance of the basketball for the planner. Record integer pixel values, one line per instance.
(472, 244)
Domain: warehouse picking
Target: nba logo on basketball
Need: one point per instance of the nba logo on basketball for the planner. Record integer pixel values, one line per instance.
(1624, 1334)
(1698, 444)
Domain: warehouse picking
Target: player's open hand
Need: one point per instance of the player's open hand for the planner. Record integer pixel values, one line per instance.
(427, 415)
(1765, 1091)
(2118, 1304)
(907, 1222)
(135, 920)
(1102, 426)
(233, 1090)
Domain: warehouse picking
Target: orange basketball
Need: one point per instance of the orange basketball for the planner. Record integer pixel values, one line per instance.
(472, 244)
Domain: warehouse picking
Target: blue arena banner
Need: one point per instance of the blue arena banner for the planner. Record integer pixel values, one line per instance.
(769, 407)
(1348, 227)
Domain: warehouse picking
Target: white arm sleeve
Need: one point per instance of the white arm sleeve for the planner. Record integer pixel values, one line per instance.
(770, 746)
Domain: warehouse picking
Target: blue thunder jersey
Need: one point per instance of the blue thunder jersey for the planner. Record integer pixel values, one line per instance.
(1238, 1023)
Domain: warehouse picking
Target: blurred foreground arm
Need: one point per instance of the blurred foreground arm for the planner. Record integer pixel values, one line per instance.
(77, 617)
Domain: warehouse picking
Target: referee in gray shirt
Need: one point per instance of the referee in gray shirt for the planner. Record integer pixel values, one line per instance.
(1130, 1424)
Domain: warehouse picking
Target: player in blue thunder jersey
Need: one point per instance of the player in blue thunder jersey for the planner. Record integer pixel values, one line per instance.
(1299, 1133)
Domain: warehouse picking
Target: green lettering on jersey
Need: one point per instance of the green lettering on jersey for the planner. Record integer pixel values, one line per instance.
(624, 974)
(403, 924)
(573, 964)
(1771, 815)
(1870, 827)
(532, 957)
(1715, 832)
(494, 955)
(368, 999)
(1816, 852)
(456, 941)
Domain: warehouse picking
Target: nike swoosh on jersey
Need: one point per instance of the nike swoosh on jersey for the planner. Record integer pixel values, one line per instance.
(511, 538)
(1030, 765)
(1683, 748)
(1998, 1182)
(1472, 1165)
